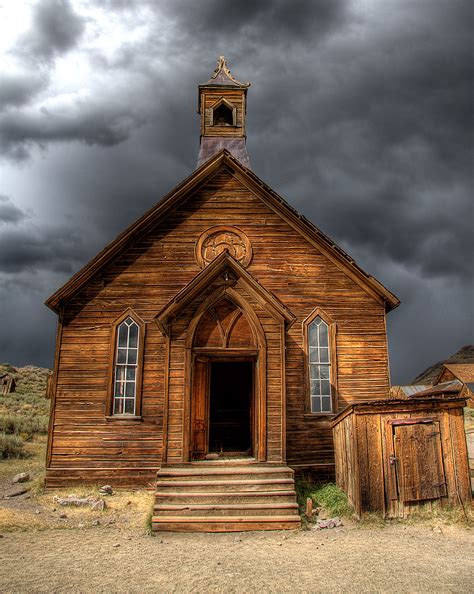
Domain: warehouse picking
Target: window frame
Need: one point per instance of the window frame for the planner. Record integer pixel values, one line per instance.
(332, 328)
(110, 415)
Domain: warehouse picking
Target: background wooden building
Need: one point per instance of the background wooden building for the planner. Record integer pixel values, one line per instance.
(7, 384)
(214, 340)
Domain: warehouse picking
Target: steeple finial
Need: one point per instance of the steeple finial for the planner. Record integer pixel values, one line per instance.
(222, 72)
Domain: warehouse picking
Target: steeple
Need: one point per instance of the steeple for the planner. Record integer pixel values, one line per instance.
(222, 105)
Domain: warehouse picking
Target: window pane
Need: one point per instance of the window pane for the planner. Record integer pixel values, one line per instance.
(131, 371)
(313, 335)
(130, 389)
(313, 355)
(314, 371)
(119, 389)
(122, 356)
(120, 373)
(324, 371)
(315, 387)
(129, 406)
(133, 338)
(122, 335)
(323, 334)
(324, 354)
(132, 356)
(118, 406)
(316, 404)
(325, 387)
(326, 404)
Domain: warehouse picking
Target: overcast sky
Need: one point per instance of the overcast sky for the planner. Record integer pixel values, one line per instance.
(359, 114)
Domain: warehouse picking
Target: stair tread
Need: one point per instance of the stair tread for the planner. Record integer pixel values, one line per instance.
(227, 482)
(216, 506)
(203, 471)
(226, 494)
(222, 519)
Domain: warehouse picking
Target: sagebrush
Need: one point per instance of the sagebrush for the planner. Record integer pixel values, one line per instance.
(11, 446)
(25, 412)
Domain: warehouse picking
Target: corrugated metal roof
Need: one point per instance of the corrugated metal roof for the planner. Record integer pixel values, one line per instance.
(410, 390)
(444, 388)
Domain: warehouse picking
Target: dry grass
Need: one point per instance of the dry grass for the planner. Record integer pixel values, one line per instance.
(34, 461)
(436, 515)
(125, 509)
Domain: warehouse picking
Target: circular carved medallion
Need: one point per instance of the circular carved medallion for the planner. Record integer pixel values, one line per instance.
(216, 240)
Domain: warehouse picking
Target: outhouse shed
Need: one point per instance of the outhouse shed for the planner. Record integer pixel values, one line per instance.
(393, 455)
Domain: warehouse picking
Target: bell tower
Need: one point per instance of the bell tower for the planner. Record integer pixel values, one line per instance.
(222, 106)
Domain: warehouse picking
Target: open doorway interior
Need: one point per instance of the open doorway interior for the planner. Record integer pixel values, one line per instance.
(230, 408)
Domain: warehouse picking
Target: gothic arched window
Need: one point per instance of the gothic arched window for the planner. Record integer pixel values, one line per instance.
(320, 356)
(127, 373)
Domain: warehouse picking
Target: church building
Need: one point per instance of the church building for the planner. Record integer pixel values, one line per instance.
(207, 348)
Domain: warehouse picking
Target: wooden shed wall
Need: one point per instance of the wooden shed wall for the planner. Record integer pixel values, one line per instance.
(346, 460)
(87, 445)
(364, 444)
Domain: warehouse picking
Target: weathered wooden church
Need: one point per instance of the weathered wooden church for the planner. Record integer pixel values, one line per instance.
(212, 342)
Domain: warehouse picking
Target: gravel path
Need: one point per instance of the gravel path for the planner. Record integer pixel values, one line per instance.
(397, 559)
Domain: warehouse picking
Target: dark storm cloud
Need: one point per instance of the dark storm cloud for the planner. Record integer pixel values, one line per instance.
(27, 248)
(280, 19)
(381, 130)
(55, 29)
(103, 122)
(9, 212)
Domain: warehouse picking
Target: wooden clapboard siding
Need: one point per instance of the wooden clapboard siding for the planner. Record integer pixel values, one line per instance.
(146, 276)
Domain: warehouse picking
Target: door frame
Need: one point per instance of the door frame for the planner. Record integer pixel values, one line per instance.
(221, 356)
(258, 352)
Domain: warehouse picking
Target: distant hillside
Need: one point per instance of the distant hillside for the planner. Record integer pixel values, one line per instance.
(29, 379)
(429, 375)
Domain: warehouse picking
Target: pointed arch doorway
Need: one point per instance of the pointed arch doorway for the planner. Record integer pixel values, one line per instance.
(227, 367)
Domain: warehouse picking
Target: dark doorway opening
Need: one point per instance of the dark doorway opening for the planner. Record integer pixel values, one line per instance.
(230, 408)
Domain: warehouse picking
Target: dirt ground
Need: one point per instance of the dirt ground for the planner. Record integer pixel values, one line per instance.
(47, 548)
(396, 559)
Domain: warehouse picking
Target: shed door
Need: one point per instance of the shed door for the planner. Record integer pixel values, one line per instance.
(420, 471)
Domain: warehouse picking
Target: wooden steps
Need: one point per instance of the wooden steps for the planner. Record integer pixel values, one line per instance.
(225, 498)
